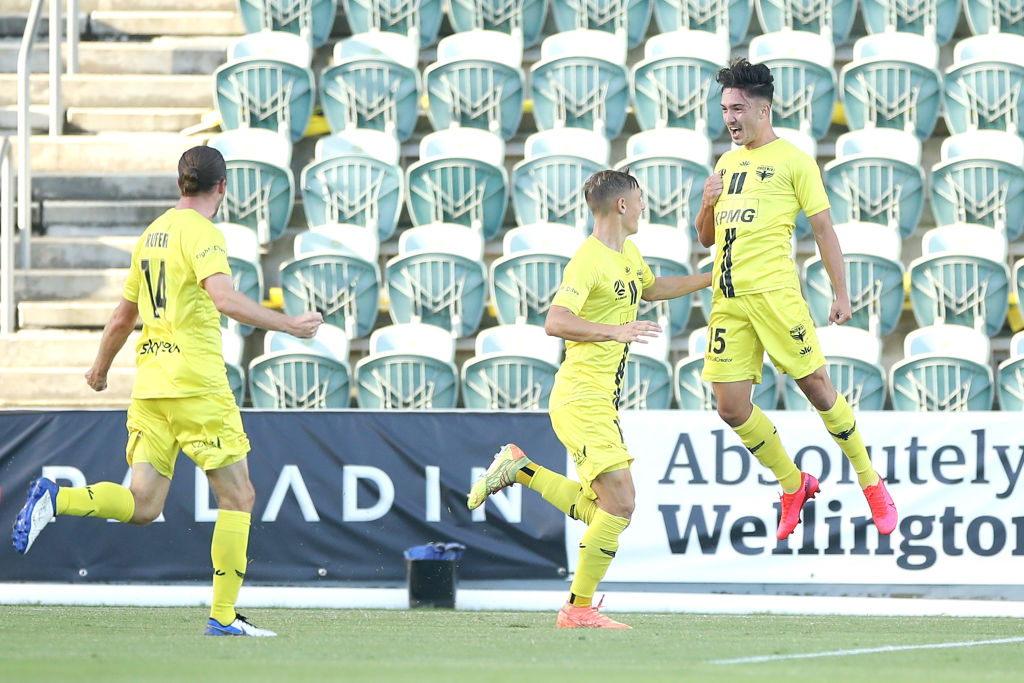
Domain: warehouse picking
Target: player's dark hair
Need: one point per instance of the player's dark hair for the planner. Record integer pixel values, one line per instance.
(753, 79)
(605, 187)
(199, 170)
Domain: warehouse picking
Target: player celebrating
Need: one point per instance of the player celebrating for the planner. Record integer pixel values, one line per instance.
(747, 212)
(180, 284)
(594, 311)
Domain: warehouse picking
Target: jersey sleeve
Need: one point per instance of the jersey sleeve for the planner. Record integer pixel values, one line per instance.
(208, 254)
(808, 186)
(577, 280)
(648, 277)
(131, 285)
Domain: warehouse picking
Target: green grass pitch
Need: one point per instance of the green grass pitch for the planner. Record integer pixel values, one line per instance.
(55, 643)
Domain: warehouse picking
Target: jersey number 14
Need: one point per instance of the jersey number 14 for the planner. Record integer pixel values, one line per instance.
(157, 294)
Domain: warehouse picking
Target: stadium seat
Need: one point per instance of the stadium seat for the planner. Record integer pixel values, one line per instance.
(302, 374)
(832, 18)
(980, 179)
(418, 19)
(353, 188)
(945, 369)
(625, 18)
(961, 277)
(460, 178)
(438, 277)
(666, 250)
(374, 83)
(805, 80)
(892, 82)
(246, 270)
(579, 142)
(876, 177)
(526, 277)
(693, 393)
(260, 188)
(282, 45)
(1010, 376)
(674, 84)
(523, 18)
(671, 165)
(934, 19)
(548, 187)
(581, 81)
(853, 360)
(995, 16)
(409, 366)
(984, 87)
(233, 348)
(513, 368)
(338, 238)
(477, 81)
(647, 382)
(378, 144)
(874, 278)
(310, 19)
(259, 92)
(730, 18)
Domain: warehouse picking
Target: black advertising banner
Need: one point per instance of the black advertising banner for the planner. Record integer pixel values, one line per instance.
(339, 496)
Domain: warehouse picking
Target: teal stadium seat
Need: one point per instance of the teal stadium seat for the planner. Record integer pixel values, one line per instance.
(874, 278)
(259, 92)
(366, 141)
(627, 18)
(438, 277)
(828, 17)
(995, 16)
(246, 269)
(302, 374)
(522, 18)
(354, 188)
(693, 393)
(730, 18)
(261, 189)
(647, 382)
(984, 87)
(460, 178)
(946, 368)
(666, 250)
(233, 348)
(962, 278)
(335, 272)
(876, 177)
(310, 19)
(477, 81)
(288, 47)
(526, 277)
(581, 81)
(1010, 376)
(934, 19)
(513, 368)
(409, 367)
(418, 19)
(892, 82)
(980, 179)
(853, 360)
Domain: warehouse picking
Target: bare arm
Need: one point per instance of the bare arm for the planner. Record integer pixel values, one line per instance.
(561, 322)
(115, 334)
(705, 221)
(675, 286)
(238, 306)
(832, 258)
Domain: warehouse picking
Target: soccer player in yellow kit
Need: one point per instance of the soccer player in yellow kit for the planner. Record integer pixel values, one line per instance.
(180, 284)
(594, 311)
(747, 212)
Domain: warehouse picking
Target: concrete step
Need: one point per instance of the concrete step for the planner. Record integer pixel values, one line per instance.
(133, 119)
(63, 387)
(162, 55)
(59, 348)
(116, 23)
(102, 251)
(38, 118)
(101, 211)
(21, 6)
(48, 284)
(56, 313)
(113, 185)
(117, 90)
(108, 152)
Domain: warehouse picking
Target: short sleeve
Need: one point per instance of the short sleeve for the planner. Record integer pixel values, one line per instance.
(131, 285)
(808, 186)
(577, 281)
(208, 254)
(648, 276)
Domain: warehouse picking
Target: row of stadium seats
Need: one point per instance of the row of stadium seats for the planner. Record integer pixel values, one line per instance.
(411, 366)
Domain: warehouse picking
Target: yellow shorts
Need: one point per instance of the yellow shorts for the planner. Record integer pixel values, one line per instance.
(590, 431)
(742, 328)
(208, 428)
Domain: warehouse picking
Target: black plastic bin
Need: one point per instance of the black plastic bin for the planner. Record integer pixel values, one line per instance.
(432, 574)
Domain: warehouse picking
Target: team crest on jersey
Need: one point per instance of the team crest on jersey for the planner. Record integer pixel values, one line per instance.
(798, 333)
(620, 289)
(764, 172)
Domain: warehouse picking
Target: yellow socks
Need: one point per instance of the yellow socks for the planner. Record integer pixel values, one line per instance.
(560, 491)
(104, 499)
(759, 436)
(597, 548)
(842, 425)
(230, 541)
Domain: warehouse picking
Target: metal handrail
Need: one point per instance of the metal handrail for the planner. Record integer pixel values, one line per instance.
(6, 236)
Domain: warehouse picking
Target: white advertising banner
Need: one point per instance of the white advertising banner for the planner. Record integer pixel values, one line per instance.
(706, 509)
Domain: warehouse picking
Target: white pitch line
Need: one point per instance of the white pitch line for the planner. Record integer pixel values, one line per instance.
(867, 651)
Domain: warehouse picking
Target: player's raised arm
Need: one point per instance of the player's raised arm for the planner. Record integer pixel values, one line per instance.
(705, 222)
(561, 322)
(671, 287)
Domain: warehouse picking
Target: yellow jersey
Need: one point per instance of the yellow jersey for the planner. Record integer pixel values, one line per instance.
(600, 285)
(179, 353)
(763, 189)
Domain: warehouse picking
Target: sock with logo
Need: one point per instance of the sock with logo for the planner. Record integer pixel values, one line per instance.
(759, 436)
(230, 541)
(842, 425)
(597, 548)
(104, 499)
(562, 492)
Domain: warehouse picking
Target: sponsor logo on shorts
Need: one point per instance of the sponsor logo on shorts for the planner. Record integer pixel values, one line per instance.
(805, 350)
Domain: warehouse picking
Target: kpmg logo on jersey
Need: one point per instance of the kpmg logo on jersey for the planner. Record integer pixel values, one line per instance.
(736, 211)
(764, 172)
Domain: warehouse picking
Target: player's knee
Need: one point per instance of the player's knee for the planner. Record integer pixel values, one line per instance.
(145, 514)
(241, 498)
(732, 414)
